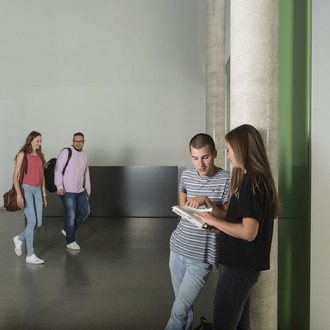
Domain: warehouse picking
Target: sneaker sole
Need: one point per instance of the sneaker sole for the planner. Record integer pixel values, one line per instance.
(35, 263)
(73, 249)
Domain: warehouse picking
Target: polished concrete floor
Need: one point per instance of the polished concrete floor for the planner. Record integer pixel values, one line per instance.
(119, 280)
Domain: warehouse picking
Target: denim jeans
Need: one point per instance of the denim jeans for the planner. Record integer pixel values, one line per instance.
(76, 208)
(33, 214)
(231, 309)
(188, 279)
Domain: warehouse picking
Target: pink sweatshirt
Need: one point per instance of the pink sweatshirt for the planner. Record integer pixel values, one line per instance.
(76, 177)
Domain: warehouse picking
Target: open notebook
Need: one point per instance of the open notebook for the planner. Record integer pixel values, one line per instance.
(186, 213)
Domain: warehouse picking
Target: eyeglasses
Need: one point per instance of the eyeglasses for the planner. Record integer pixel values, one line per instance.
(80, 141)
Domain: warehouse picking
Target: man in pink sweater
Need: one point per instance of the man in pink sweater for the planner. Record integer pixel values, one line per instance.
(74, 188)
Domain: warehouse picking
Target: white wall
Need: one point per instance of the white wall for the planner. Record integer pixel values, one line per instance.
(320, 153)
(130, 74)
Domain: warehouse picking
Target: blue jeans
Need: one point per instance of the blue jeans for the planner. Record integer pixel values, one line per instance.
(231, 308)
(76, 208)
(188, 279)
(33, 214)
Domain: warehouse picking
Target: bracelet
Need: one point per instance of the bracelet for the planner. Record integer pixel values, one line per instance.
(44, 195)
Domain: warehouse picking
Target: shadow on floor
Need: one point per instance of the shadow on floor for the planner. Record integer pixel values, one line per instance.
(119, 280)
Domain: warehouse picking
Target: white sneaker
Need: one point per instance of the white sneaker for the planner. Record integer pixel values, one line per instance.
(73, 246)
(63, 232)
(34, 260)
(18, 245)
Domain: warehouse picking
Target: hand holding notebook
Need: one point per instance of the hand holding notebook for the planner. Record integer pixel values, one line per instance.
(187, 213)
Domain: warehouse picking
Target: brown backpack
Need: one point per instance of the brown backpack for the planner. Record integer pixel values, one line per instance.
(10, 197)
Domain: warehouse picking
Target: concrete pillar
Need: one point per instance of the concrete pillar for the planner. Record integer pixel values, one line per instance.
(254, 100)
(215, 80)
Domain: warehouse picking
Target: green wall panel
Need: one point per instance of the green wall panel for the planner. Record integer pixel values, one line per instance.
(293, 264)
(294, 166)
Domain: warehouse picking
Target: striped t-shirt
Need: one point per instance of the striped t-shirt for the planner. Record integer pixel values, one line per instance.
(187, 239)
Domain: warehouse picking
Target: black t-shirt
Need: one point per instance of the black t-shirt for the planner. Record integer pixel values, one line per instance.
(238, 253)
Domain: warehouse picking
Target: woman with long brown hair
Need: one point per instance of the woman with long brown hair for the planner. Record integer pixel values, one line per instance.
(34, 197)
(246, 233)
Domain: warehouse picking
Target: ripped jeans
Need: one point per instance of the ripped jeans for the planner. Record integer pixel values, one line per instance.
(33, 213)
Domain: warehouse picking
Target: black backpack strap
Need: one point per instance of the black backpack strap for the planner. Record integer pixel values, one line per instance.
(204, 325)
(69, 157)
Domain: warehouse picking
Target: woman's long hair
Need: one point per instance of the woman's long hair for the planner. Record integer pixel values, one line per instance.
(250, 152)
(27, 147)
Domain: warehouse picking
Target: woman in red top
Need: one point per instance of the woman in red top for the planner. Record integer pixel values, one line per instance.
(34, 197)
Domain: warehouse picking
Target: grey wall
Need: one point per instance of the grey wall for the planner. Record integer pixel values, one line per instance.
(130, 74)
(320, 160)
(127, 191)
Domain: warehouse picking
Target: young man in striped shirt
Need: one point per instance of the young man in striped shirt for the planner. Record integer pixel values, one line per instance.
(194, 250)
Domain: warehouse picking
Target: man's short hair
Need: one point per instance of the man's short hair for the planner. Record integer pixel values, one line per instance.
(78, 134)
(201, 140)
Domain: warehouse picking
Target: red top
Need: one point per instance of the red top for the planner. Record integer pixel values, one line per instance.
(33, 177)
